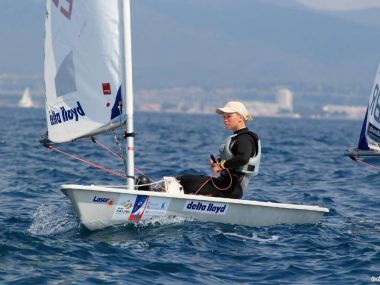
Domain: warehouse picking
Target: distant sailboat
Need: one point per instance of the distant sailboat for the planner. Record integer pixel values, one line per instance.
(26, 99)
(368, 149)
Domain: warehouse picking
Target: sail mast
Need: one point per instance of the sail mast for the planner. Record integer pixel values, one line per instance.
(128, 89)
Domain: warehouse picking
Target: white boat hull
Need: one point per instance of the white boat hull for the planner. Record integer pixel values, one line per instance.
(102, 206)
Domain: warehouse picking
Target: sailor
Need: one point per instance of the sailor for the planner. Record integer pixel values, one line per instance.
(239, 158)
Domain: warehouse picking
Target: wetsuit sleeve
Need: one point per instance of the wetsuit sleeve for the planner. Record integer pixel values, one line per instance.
(242, 150)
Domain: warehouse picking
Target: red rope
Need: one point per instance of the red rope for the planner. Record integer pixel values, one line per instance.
(212, 181)
(109, 150)
(88, 162)
(124, 176)
(114, 154)
(365, 163)
(200, 187)
(223, 189)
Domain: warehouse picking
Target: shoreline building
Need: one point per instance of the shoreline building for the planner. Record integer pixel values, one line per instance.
(282, 107)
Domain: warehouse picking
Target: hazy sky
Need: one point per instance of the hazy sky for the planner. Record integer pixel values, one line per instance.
(221, 42)
(341, 5)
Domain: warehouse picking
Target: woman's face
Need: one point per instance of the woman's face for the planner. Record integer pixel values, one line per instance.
(233, 121)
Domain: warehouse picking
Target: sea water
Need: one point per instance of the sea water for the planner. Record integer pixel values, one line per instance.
(42, 241)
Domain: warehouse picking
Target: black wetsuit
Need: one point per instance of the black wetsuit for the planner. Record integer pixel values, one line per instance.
(244, 146)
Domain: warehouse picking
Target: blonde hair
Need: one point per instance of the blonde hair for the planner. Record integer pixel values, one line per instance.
(248, 117)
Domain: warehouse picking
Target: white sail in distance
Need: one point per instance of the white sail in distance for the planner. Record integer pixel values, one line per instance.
(26, 99)
(83, 73)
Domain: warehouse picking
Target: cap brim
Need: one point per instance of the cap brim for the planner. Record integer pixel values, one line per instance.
(224, 110)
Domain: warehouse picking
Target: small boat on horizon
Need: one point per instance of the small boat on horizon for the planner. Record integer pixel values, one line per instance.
(26, 100)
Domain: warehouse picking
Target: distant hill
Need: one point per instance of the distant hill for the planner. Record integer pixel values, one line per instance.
(22, 36)
(246, 42)
(217, 43)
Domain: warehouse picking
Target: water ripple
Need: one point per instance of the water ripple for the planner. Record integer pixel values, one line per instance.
(42, 241)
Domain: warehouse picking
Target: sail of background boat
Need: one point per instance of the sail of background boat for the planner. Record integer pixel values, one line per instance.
(26, 100)
(368, 150)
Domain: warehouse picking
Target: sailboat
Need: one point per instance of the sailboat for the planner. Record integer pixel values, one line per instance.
(88, 80)
(26, 99)
(368, 150)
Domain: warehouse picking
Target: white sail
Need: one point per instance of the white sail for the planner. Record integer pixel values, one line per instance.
(83, 73)
(372, 124)
(26, 99)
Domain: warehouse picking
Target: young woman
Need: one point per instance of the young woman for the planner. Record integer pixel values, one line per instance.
(239, 158)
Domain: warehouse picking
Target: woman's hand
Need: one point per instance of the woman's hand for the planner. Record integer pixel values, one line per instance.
(215, 167)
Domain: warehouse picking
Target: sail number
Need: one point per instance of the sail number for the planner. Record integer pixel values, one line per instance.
(374, 107)
(66, 8)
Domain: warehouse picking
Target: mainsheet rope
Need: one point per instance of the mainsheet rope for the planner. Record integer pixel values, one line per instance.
(113, 172)
(87, 162)
(196, 192)
(212, 181)
(95, 141)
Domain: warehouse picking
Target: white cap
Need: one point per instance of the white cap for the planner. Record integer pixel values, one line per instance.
(235, 107)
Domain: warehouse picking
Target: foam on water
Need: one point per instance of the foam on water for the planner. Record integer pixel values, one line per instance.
(253, 237)
(160, 221)
(53, 219)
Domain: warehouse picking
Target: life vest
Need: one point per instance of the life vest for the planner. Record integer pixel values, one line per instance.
(252, 167)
